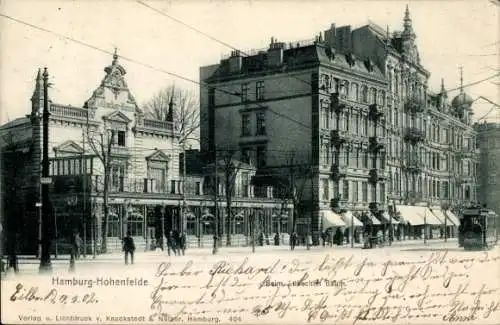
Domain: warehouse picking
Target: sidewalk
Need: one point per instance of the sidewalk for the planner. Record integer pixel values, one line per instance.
(239, 250)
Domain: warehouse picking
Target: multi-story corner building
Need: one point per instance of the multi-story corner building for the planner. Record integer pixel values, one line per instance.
(146, 192)
(354, 105)
(431, 153)
(488, 170)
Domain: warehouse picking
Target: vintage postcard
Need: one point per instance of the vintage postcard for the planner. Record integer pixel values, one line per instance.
(249, 162)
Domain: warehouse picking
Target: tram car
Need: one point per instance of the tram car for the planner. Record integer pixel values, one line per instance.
(478, 229)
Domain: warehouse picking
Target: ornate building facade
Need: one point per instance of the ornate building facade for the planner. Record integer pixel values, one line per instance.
(147, 194)
(354, 105)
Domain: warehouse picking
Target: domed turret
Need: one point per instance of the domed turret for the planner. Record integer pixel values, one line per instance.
(462, 100)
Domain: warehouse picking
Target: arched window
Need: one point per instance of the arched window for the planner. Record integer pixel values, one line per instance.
(191, 224)
(207, 224)
(239, 224)
(135, 224)
(113, 225)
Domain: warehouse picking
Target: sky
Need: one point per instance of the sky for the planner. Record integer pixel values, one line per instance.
(449, 33)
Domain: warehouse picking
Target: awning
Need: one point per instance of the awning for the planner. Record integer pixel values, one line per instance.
(453, 218)
(374, 220)
(429, 217)
(439, 214)
(389, 218)
(331, 219)
(351, 220)
(410, 214)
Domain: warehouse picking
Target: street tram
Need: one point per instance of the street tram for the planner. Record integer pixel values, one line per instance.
(478, 229)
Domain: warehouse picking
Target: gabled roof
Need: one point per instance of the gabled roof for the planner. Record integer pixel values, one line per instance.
(69, 146)
(117, 116)
(158, 155)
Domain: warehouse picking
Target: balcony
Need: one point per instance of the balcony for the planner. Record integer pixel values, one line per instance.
(414, 105)
(465, 179)
(126, 185)
(414, 135)
(338, 137)
(338, 204)
(466, 153)
(376, 175)
(375, 207)
(375, 144)
(337, 172)
(339, 102)
(375, 112)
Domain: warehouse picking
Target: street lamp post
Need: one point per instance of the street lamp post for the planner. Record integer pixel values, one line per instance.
(45, 264)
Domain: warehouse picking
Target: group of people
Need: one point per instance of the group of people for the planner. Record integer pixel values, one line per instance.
(176, 242)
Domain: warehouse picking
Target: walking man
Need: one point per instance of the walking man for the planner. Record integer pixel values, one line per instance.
(128, 248)
(293, 239)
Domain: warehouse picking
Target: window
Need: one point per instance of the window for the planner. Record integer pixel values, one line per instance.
(326, 118)
(364, 94)
(345, 190)
(157, 176)
(244, 184)
(325, 189)
(373, 96)
(355, 92)
(382, 193)
(365, 159)
(245, 155)
(396, 117)
(355, 191)
(244, 92)
(364, 190)
(121, 138)
(261, 123)
(245, 125)
(324, 154)
(117, 176)
(259, 90)
(261, 157)
(356, 124)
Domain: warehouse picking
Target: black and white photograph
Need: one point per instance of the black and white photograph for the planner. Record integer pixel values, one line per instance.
(250, 162)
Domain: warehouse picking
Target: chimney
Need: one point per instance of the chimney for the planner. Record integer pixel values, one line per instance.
(235, 62)
(275, 53)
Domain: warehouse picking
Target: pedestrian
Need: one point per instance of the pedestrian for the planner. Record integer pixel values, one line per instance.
(77, 244)
(182, 242)
(171, 243)
(293, 239)
(128, 248)
(277, 239)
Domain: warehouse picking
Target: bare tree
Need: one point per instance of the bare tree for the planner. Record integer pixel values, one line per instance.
(231, 167)
(101, 143)
(177, 105)
(299, 175)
